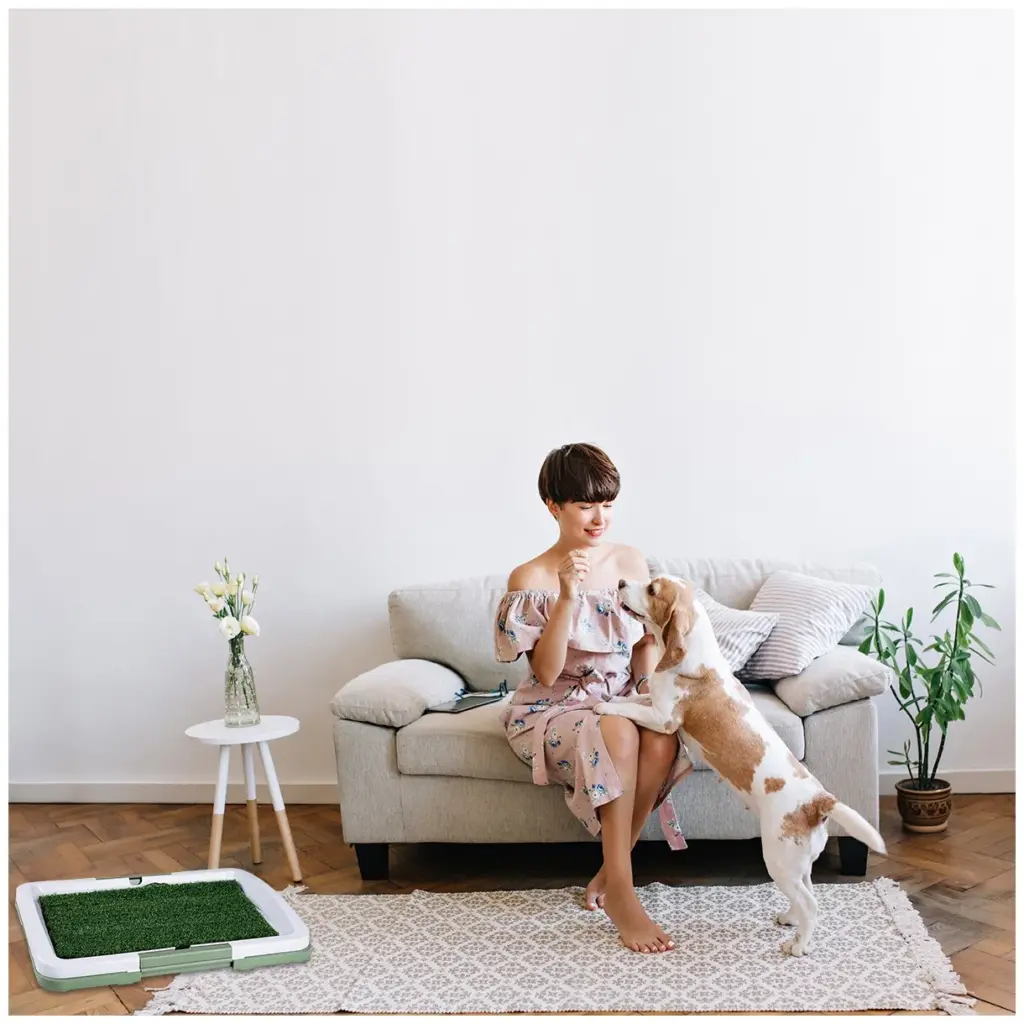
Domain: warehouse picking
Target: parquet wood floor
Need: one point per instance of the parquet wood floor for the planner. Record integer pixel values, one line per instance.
(961, 881)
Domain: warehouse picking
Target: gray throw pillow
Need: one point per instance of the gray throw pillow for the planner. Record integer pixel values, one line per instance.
(814, 615)
(739, 633)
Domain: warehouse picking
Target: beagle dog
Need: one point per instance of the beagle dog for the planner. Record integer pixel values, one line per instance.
(693, 692)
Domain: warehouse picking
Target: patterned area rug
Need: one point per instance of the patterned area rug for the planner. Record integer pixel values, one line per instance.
(539, 950)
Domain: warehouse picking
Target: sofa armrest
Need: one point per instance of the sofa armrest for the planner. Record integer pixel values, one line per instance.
(369, 783)
(837, 677)
(841, 751)
(396, 693)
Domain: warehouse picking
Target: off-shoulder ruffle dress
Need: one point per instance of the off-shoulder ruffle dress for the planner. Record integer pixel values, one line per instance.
(554, 729)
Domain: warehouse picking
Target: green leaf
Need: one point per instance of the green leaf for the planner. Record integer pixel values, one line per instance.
(881, 599)
(865, 646)
(942, 604)
(976, 639)
(989, 621)
(947, 575)
(972, 603)
(966, 620)
(958, 563)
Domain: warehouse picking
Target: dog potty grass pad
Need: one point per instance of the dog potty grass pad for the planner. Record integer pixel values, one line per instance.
(116, 931)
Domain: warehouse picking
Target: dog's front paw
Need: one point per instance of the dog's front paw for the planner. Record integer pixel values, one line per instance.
(604, 709)
(785, 919)
(794, 946)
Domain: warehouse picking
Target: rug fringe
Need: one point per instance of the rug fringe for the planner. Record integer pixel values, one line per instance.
(950, 993)
(165, 999)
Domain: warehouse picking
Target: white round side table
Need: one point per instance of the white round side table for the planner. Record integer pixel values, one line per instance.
(216, 733)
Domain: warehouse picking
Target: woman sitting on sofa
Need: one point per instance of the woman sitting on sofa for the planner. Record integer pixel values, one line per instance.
(584, 648)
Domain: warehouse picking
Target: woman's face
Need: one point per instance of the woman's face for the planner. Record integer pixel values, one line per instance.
(583, 523)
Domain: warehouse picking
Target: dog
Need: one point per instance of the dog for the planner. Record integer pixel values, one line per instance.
(693, 692)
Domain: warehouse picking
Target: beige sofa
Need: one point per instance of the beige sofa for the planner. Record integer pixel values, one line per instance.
(409, 776)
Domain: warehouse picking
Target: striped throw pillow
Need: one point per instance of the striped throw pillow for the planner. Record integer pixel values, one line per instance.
(738, 633)
(814, 615)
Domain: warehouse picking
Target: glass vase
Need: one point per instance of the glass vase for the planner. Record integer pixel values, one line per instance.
(240, 706)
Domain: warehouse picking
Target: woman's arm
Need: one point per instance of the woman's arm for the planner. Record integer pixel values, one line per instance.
(547, 659)
(644, 660)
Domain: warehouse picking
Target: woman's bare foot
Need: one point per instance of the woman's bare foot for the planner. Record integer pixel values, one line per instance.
(637, 931)
(593, 899)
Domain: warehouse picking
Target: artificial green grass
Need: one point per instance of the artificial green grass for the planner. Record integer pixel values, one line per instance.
(158, 915)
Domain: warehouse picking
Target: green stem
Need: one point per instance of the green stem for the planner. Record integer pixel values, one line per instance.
(913, 694)
(938, 757)
(954, 651)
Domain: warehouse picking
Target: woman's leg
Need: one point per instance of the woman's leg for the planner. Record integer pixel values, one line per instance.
(621, 903)
(654, 762)
(655, 757)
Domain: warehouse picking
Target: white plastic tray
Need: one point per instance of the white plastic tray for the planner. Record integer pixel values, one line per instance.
(292, 937)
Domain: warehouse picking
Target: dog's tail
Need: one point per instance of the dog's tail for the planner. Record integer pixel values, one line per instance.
(857, 827)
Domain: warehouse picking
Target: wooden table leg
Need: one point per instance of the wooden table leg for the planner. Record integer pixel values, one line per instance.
(250, 803)
(282, 817)
(219, 798)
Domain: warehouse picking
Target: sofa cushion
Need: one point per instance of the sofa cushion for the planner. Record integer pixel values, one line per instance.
(470, 744)
(473, 744)
(395, 693)
(814, 614)
(453, 624)
(739, 633)
(838, 677)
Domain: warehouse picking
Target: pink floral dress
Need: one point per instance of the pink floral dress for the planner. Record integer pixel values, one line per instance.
(555, 729)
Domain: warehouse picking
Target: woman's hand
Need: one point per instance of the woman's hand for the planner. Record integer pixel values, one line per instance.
(572, 571)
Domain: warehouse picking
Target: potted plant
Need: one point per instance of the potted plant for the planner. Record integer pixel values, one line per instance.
(924, 799)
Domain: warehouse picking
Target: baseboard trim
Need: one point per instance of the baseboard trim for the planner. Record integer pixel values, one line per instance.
(963, 780)
(968, 780)
(162, 792)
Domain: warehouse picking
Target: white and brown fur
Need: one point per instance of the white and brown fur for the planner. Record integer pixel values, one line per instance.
(694, 692)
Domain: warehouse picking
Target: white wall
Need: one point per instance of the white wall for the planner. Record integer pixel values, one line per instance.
(319, 291)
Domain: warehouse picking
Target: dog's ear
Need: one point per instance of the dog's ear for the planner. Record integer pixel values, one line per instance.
(675, 641)
(680, 622)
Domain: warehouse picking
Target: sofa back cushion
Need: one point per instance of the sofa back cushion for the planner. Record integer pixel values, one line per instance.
(452, 623)
(735, 581)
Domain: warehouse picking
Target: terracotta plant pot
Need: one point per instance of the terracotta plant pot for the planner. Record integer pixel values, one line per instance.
(924, 810)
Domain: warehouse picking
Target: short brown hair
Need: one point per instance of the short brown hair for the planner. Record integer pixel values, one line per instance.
(578, 472)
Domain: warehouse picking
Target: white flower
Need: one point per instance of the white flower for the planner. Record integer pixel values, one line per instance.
(201, 589)
(246, 597)
(250, 625)
(239, 578)
(219, 589)
(216, 566)
(229, 626)
(216, 605)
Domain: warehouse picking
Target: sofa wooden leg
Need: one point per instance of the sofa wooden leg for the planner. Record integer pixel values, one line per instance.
(373, 861)
(853, 856)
